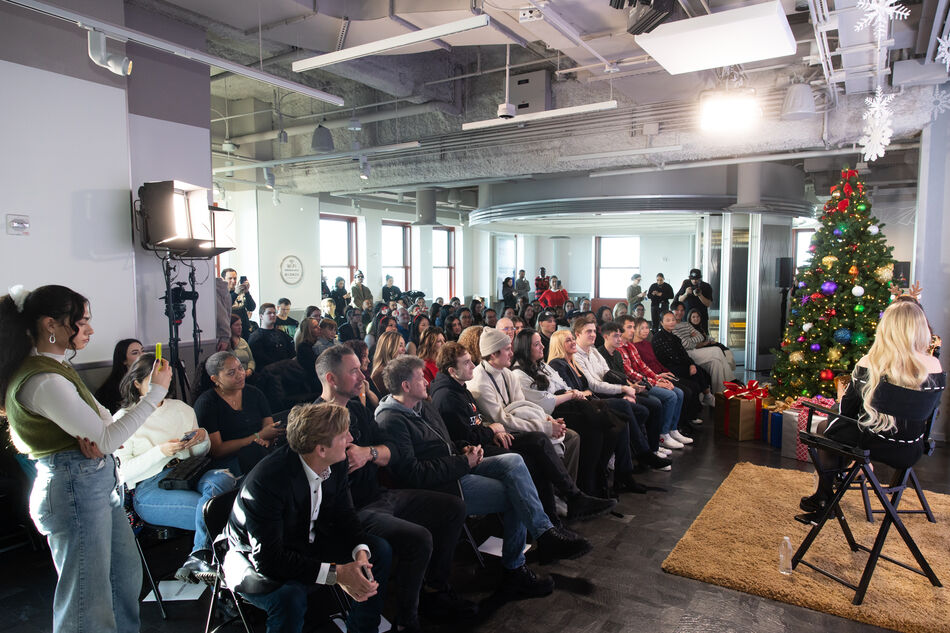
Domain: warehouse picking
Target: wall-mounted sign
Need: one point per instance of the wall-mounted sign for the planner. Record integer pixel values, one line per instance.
(291, 270)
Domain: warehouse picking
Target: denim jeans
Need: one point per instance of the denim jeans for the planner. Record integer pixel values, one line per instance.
(286, 606)
(502, 484)
(77, 503)
(672, 403)
(181, 508)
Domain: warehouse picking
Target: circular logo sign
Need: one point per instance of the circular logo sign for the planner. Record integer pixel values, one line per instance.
(291, 270)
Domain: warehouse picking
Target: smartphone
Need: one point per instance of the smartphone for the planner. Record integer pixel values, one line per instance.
(367, 573)
(158, 352)
(187, 436)
(243, 279)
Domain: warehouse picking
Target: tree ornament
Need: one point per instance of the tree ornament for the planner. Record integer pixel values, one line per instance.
(802, 284)
(884, 273)
(796, 357)
(877, 126)
(862, 207)
(828, 288)
(806, 393)
(859, 338)
(834, 354)
(815, 347)
(835, 193)
(874, 229)
(816, 295)
(826, 374)
(853, 271)
(801, 339)
(807, 326)
(859, 308)
(838, 232)
(842, 205)
(842, 335)
(857, 291)
(828, 261)
(812, 248)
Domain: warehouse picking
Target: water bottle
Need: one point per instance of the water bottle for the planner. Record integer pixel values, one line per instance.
(785, 553)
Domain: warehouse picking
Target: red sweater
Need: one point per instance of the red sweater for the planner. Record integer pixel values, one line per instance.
(553, 298)
(647, 356)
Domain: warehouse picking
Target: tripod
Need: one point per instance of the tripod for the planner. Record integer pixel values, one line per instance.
(175, 311)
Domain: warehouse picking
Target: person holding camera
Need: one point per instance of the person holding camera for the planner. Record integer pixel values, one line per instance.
(170, 435)
(696, 294)
(76, 502)
(241, 300)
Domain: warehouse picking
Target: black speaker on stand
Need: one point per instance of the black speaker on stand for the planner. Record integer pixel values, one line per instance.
(784, 279)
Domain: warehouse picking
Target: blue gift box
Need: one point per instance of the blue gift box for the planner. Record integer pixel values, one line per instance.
(771, 424)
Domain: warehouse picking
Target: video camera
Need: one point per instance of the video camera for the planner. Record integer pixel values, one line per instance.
(177, 302)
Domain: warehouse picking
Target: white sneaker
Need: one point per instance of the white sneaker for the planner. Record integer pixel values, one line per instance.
(669, 442)
(663, 452)
(697, 421)
(665, 455)
(679, 437)
(709, 399)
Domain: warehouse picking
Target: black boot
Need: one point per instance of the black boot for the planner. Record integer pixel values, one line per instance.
(555, 545)
(581, 507)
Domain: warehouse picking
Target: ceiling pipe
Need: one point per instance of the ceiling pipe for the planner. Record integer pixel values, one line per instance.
(372, 117)
(313, 158)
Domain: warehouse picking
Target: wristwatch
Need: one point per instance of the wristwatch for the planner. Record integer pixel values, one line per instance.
(373, 454)
(331, 575)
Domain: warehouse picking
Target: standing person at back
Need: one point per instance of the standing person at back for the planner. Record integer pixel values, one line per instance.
(268, 344)
(359, 292)
(241, 300)
(541, 283)
(635, 295)
(391, 291)
(522, 286)
(696, 294)
(659, 294)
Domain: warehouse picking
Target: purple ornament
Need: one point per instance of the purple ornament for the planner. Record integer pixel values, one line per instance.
(802, 284)
(828, 288)
(805, 299)
(838, 232)
(815, 347)
(880, 314)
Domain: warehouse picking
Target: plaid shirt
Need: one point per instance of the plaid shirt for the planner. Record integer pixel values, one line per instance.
(634, 366)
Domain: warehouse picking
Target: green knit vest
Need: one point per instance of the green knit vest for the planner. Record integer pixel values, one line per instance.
(32, 433)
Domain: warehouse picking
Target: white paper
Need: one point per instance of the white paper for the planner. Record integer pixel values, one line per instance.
(176, 590)
(492, 546)
(384, 624)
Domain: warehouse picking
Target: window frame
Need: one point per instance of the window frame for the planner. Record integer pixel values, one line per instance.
(598, 252)
(450, 259)
(352, 253)
(406, 253)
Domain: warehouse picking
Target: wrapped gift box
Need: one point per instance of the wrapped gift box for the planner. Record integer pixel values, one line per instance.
(793, 421)
(771, 423)
(737, 418)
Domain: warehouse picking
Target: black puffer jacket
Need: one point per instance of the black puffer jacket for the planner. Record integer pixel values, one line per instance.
(458, 411)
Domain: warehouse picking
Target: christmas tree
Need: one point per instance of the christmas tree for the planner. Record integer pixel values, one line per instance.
(838, 296)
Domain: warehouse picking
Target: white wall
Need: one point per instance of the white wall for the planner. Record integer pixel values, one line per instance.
(72, 180)
(671, 255)
(289, 228)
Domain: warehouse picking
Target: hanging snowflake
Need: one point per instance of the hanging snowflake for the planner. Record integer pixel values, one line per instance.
(879, 106)
(880, 13)
(877, 127)
(943, 51)
(941, 103)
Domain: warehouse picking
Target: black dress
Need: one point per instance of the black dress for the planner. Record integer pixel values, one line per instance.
(911, 408)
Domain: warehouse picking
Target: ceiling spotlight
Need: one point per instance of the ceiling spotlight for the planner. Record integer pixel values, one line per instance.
(228, 146)
(364, 168)
(269, 179)
(729, 111)
(354, 125)
(118, 64)
(799, 103)
(322, 141)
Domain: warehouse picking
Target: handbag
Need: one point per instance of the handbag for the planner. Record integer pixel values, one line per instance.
(186, 474)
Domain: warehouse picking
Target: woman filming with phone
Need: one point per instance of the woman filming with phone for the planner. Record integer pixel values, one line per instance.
(77, 499)
(169, 436)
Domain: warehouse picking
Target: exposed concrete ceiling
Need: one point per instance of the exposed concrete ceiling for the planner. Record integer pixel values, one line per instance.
(424, 93)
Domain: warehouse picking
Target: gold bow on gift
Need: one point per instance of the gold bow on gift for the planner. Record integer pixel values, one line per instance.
(751, 391)
(781, 405)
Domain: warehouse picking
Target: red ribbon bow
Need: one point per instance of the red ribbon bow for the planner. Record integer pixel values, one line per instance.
(751, 391)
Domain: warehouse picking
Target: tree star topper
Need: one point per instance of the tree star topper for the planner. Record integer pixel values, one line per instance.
(880, 13)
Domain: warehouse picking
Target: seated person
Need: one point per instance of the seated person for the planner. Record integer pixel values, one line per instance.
(236, 416)
(500, 398)
(389, 346)
(421, 526)
(893, 393)
(424, 456)
(239, 346)
(469, 340)
(458, 409)
(150, 454)
(432, 342)
(293, 527)
(326, 336)
(352, 330)
(715, 359)
(669, 350)
(420, 324)
(489, 317)
(124, 355)
(285, 322)
(547, 326)
(308, 333)
(269, 344)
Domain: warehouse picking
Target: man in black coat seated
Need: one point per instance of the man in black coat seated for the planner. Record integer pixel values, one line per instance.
(293, 526)
(424, 456)
(422, 526)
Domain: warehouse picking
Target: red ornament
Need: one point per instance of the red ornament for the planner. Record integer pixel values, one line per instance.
(843, 205)
(826, 374)
(817, 295)
(848, 190)
(833, 312)
(812, 248)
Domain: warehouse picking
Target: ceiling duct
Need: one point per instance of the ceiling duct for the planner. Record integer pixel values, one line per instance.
(425, 208)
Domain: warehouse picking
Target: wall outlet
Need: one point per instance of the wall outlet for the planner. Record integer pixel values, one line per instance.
(529, 14)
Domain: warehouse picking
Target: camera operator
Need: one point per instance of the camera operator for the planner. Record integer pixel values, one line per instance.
(696, 294)
(241, 300)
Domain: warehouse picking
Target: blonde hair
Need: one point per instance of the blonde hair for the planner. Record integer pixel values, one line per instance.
(621, 305)
(387, 346)
(902, 334)
(469, 339)
(310, 425)
(556, 346)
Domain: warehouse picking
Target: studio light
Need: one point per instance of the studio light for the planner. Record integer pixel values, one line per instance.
(118, 64)
(729, 111)
(322, 141)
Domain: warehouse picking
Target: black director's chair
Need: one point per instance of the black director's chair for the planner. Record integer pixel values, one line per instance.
(860, 467)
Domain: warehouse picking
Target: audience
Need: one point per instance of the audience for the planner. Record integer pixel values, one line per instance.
(508, 293)
(389, 346)
(239, 347)
(341, 298)
(269, 344)
(541, 283)
(620, 309)
(236, 416)
(660, 294)
(293, 526)
(419, 325)
(521, 287)
(390, 291)
(547, 326)
(697, 295)
(635, 294)
(432, 342)
(489, 317)
(518, 322)
(305, 341)
(124, 355)
(329, 306)
(466, 318)
(359, 292)
(424, 456)
(170, 434)
(452, 327)
(285, 323)
(352, 329)
(669, 350)
(326, 336)
(507, 326)
(716, 359)
(469, 340)
(242, 302)
(555, 296)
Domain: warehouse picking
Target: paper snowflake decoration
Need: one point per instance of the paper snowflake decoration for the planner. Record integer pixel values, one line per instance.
(879, 106)
(943, 52)
(941, 103)
(880, 13)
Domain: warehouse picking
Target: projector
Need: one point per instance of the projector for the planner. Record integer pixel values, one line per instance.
(506, 111)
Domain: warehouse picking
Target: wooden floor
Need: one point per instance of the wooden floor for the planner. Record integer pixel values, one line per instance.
(618, 587)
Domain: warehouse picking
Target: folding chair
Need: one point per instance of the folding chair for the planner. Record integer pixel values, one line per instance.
(861, 466)
(216, 512)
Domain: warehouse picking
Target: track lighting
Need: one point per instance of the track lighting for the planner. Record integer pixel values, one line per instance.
(118, 64)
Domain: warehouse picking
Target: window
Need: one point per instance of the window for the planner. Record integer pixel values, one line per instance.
(802, 254)
(443, 262)
(338, 248)
(396, 253)
(616, 260)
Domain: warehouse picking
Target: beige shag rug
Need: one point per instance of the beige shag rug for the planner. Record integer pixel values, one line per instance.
(734, 543)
